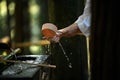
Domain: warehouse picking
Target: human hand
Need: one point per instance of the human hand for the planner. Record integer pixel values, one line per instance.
(57, 37)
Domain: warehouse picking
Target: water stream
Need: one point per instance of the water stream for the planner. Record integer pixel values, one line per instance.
(70, 64)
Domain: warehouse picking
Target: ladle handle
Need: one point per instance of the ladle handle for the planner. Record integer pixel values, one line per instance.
(40, 65)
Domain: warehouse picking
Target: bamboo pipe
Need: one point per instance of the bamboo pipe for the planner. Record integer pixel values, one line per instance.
(39, 65)
(27, 44)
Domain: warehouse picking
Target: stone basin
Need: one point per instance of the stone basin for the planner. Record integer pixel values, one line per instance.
(17, 71)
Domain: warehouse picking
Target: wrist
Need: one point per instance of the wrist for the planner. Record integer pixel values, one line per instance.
(61, 32)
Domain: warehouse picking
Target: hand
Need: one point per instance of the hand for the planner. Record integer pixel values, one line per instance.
(57, 37)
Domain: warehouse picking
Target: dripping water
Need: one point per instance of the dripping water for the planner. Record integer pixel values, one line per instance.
(70, 64)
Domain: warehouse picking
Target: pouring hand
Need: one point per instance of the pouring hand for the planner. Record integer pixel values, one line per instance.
(55, 38)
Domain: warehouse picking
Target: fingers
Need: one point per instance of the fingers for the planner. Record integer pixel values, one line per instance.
(54, 39)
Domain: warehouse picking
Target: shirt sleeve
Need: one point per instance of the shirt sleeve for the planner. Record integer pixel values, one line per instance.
(84, 21)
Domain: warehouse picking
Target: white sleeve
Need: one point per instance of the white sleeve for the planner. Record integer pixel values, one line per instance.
(84, 21)
(84, 25)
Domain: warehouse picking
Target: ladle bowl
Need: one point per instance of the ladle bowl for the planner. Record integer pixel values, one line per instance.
(49, 30)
